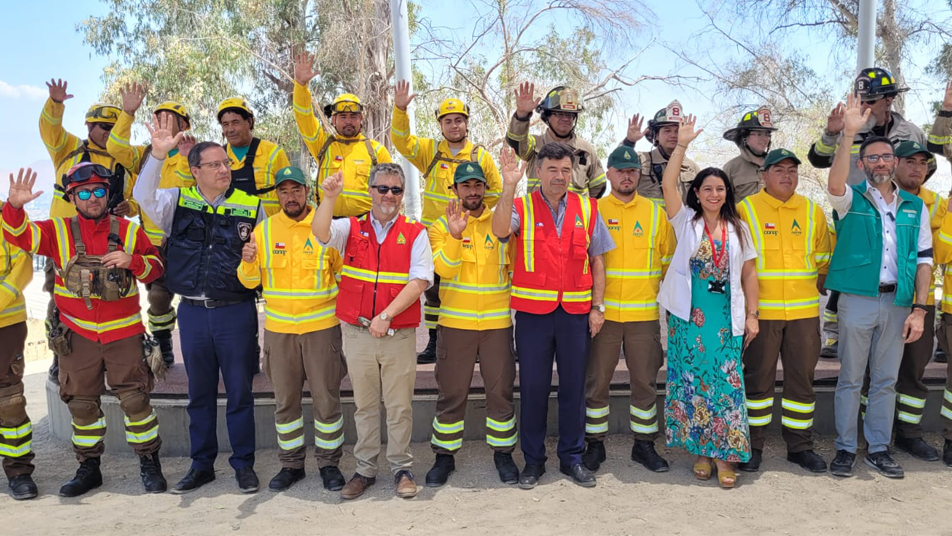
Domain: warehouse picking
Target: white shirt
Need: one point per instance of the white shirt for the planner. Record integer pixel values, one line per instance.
(888, 270)
(675, 293)
(421, 255)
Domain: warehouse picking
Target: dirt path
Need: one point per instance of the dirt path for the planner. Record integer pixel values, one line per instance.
(628, 500)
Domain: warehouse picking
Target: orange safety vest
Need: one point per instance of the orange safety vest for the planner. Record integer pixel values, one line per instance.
(551, 269)
(373, 274)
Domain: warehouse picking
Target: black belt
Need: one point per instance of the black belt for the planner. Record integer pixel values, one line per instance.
(212, 304)
(886, 289)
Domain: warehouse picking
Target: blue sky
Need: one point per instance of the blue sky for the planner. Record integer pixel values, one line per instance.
(36, 51)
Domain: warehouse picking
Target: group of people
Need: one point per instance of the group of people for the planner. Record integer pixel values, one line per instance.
(565, 273)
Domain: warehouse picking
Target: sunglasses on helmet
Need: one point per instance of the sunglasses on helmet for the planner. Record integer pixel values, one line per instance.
(84, 173)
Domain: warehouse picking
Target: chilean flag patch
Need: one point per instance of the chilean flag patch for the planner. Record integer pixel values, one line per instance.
(279, 245)
(769, 226)
(612, 222)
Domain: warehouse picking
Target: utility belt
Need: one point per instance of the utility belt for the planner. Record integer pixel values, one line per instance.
(212, 304)
(85, 275)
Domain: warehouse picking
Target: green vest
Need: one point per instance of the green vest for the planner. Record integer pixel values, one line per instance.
(854, 268)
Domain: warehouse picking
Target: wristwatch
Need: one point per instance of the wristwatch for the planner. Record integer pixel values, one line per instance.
(920, 306)
(385, 317)
(600, 307)
(755, 313)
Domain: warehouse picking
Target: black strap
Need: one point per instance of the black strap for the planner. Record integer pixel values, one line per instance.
(438, 157)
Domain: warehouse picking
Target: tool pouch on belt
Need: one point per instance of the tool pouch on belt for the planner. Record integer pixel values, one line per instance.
(152, 354)
(85, 276)
(57, 335)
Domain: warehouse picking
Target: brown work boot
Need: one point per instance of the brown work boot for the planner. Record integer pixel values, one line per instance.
(357, 486)
(406, 486)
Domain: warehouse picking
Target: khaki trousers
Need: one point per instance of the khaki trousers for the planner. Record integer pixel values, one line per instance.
(289, 360)
(381, 367)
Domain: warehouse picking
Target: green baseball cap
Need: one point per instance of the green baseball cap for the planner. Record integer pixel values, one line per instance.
(469, 170)
(624, 157)
(909, 148)
(290, 173)
(778, 155)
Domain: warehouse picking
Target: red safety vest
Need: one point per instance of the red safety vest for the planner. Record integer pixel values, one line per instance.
(551, 269)
(373, 274)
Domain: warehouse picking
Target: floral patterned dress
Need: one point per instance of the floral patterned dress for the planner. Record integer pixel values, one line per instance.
(705, 411)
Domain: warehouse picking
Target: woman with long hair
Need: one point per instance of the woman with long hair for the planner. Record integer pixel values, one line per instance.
(711, 292)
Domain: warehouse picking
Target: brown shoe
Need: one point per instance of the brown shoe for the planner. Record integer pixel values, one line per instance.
(357, 486)
(406, 486)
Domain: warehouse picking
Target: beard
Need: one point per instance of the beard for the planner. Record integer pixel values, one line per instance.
(627, 190)
(458, 139)
(348, 131)
(472, 205)
(91, 216)
(879, 177)
(387, 210)
(293, 210)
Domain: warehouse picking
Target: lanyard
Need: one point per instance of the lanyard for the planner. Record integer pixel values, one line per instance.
(717, 256)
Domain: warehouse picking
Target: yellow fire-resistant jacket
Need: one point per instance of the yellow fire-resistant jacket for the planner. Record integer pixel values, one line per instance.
(941, 224)
(644, 244)
(16, 271)
(64, 152)
(423, 153)
(474, 275)
(793, 247)
(269, 159)
(175, 171)
(296, 273)
(349, 155)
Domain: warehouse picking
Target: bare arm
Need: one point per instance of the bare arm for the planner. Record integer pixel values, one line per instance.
(752, 297)
(669, 182)
(596, 318)
(321, 224)
(511, 175)
(854, 119)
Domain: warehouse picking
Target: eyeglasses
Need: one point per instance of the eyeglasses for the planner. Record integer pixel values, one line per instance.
(382, 190)
(84, 195)
(873, 158)
(215, 165)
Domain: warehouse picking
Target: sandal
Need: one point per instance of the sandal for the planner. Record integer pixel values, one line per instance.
(726, 478)
(702, 470)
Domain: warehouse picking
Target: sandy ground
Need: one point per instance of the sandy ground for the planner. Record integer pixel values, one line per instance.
(782, 499)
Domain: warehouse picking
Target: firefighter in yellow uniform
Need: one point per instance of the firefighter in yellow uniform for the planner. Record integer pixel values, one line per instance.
(302, 337)
(940, 141)
(66, 150)
(175, 173)
(792, 239)
(437, 162)
(474, 321)
(254, 162)
(16, 430)
(347, 151)
(633, 270)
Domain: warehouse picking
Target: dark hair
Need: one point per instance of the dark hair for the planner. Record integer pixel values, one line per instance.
(555, 151)
(871, 140)
(728, 209)
(195, 156)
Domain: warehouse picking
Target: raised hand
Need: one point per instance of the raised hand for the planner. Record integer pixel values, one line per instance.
(185, 146)
(402, 96)
(686, 132)
(635, 128)
(21, 189)
(250, 250)
(854, 118)
(304, 70)
(510, 169)
(947, 101)
(162, 139)
(333, 185)
(456, 218)
(834, 121)
(525, 103)
(132, 96)
(58, 90)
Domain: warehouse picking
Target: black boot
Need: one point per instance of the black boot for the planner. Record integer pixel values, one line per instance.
(88, 477)
(918, 448)
(332, 478)
(428, 355)
(442, 468)
(286, 478)
(753, 464)
(22, 487)
(508, 472)
(940, 356)
(150, 469)
(165, 344)
(643, 452)
(947, 453)
(594, 455)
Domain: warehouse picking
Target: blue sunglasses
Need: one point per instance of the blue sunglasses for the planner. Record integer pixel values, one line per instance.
(84, 195)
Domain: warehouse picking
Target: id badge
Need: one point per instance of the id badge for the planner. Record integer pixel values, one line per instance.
(716, 287)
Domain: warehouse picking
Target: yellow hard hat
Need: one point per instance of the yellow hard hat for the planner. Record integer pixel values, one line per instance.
(344, 103)
(234, 103)
(452, 106)
(103, 113)
(175, 108)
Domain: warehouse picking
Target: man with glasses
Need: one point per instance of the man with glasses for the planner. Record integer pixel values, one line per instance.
(877, 89)
(98, 258)
(387, 266)
(559, 110)
(752, 137)
(881, 265)
(208, 225)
